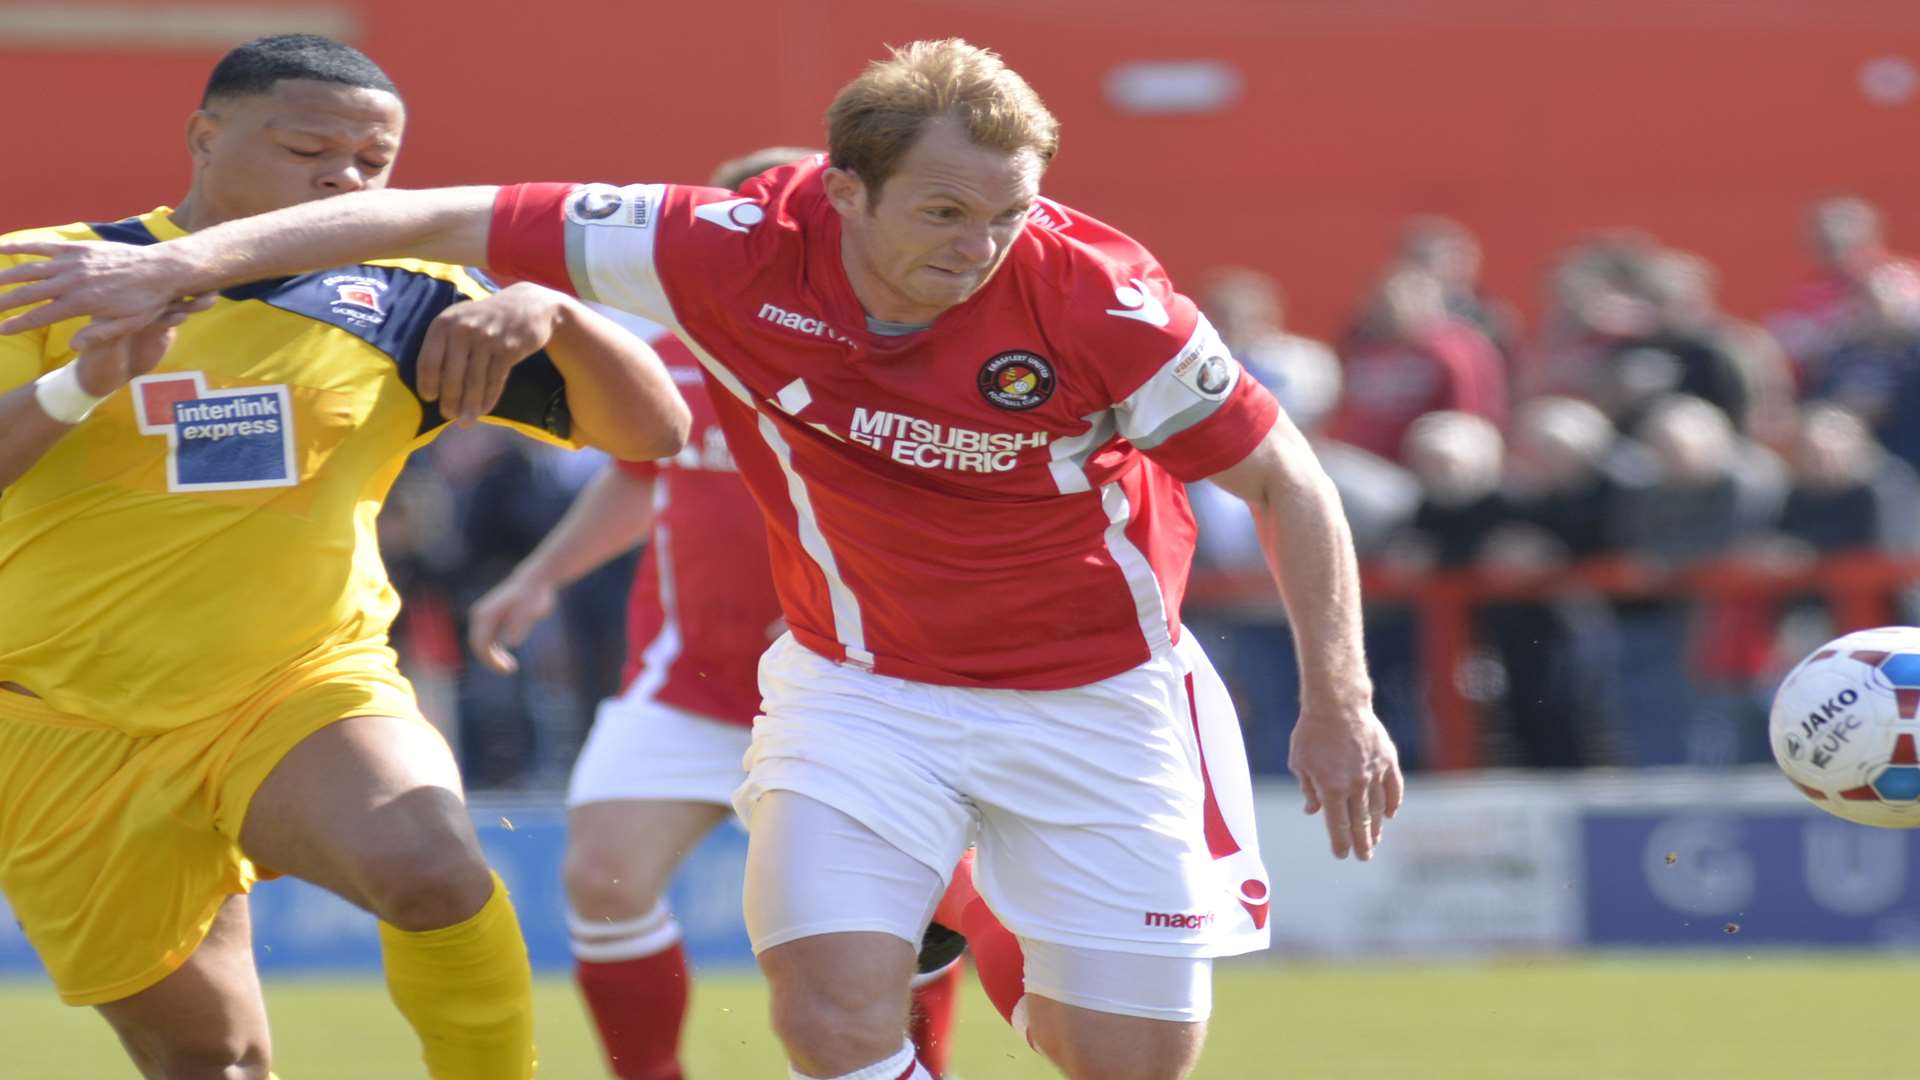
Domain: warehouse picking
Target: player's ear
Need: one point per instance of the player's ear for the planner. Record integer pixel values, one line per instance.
(203, 128)
(845, 191)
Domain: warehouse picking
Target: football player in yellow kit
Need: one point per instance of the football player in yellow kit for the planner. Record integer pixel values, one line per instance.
(195, 684)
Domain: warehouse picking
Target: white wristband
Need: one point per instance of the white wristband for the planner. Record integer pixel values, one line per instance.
(60, 394)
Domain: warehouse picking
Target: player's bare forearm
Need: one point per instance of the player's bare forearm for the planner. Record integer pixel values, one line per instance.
(26, 433)
(446, 225)
(122, 286)
(622, 397)
(611, 516)
(1309, 549)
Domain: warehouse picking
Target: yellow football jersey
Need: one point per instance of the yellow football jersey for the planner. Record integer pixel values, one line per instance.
(212, 524)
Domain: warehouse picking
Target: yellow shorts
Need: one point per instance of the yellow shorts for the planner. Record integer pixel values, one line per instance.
(116, 851)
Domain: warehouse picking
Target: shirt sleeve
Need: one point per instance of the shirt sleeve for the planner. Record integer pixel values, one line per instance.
(594, 241)
(1196, 412)
(534, 400)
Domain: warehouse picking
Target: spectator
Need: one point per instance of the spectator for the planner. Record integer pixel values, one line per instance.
(1415, 359)
(1554, 658)
(1248, 308)
(1876, 372)
(1710, 492)
(1848, 495)
(1847, 241)
(1597, 298)
(1695, 348)
(1451, 253)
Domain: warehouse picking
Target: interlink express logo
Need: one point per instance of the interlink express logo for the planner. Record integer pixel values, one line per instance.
(218, 440)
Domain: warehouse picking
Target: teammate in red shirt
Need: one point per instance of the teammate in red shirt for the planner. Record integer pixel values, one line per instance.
(966, 413)
(663, 759)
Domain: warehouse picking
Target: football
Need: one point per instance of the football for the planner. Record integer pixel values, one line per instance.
(1845, 727)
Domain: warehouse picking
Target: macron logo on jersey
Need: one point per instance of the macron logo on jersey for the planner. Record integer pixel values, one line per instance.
(1049, 215)
(1138, 303)
(218, 440)
(733, 215)
(806, 324)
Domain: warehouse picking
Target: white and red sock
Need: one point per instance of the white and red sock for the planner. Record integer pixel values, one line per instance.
(997, 959)
(635, 980)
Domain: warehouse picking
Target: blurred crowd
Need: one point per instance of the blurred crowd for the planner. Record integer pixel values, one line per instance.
(1636, 423)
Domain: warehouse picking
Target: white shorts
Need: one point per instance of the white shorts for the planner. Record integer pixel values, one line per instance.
(640, 748)
(1115, 816)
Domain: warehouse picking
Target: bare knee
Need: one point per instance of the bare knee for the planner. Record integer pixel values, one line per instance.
(182, 1055)
(827, 1034)
(430, 878)
(837, 1012)
(604, 879)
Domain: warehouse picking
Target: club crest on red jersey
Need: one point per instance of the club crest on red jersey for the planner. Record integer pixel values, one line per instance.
(1016, 380)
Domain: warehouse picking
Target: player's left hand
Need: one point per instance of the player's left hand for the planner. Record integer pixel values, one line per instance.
(123, 287)
(471, 348)
(1348, 766)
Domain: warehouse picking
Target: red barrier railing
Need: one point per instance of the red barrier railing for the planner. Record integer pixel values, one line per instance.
(1859, 590)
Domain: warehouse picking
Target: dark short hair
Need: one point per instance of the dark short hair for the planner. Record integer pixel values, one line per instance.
(731, 174)
(254, 68)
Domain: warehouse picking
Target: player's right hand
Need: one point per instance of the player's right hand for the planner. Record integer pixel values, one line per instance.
(501, 620)
(107, 364)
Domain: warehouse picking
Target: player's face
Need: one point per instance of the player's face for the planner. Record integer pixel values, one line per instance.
(938, 228)
(302, 141)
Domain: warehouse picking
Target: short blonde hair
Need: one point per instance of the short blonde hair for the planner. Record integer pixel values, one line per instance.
(877, 117)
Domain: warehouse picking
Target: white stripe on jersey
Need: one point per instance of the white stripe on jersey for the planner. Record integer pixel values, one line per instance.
(1148, 603)
(658, 657)
(1069, 464)
(848, 625)
(622, 254)
(1168, 403)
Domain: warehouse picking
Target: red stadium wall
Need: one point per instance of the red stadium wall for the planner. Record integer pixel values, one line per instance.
(1709, 123)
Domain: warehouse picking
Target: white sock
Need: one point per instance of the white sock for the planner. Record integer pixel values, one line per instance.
(901, 1066)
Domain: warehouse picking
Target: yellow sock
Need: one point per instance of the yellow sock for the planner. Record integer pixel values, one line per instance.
(467, 991)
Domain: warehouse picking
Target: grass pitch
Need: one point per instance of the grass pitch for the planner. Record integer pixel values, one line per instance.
(1630, 1018)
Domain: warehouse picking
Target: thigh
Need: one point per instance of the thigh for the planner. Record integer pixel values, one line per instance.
(208, 1014)
(1141, 837)
(109, 855)
(621, 853)
(813, 870)
(357, 800)
(1095, 1044)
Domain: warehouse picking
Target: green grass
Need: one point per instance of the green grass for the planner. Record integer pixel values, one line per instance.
(1810, 1017)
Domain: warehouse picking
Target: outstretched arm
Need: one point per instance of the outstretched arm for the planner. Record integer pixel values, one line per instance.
(124, 287)
(1341, 753)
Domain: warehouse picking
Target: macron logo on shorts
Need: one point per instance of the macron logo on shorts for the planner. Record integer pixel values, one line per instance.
(218, 440)
(1177, 921)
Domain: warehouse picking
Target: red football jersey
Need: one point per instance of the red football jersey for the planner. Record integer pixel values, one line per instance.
(702, 608)
(993, 501)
